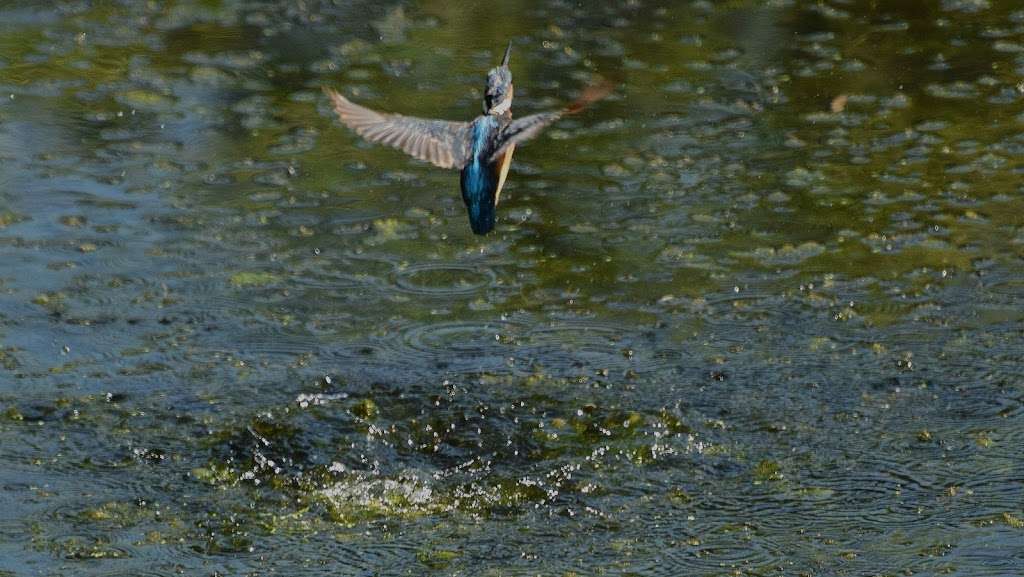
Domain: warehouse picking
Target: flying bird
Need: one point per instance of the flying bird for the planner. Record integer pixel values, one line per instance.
(482, 149)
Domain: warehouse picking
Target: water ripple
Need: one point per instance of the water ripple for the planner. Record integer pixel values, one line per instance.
(442, 279)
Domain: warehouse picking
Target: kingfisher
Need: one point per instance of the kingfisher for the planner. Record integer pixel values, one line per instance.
(481, 149)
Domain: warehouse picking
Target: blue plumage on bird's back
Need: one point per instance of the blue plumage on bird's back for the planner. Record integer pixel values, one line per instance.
(479, 178)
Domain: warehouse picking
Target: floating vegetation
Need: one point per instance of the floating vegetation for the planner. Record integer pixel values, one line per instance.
(252, 279)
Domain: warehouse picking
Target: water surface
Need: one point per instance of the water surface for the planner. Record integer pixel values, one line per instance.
(757, 313)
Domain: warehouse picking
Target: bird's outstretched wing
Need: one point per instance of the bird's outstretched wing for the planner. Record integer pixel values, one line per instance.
(527, 127)
(440, 142)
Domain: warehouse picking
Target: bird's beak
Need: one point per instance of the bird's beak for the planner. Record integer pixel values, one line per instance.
(508, 54)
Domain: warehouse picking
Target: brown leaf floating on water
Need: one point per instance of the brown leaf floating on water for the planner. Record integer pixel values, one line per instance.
(839, 103)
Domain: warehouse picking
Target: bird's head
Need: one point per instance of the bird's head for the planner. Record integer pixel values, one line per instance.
(498, 94)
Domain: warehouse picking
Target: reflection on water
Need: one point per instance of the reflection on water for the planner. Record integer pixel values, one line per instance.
(759, 312)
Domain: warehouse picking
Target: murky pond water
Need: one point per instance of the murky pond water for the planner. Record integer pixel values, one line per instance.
(759, 312)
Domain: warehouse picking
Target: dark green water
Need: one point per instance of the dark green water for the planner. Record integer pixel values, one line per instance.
(757, 313)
